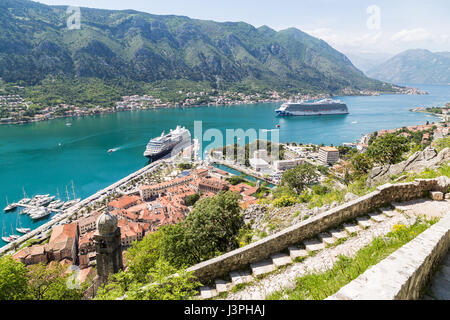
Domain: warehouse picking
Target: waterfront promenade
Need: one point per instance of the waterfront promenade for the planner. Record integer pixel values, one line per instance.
(68, 213)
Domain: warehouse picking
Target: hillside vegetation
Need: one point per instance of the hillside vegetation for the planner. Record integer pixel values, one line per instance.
(127, 49)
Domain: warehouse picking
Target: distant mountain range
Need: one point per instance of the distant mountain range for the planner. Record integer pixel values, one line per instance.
(414, 67)
(366, 61)
(35, 43)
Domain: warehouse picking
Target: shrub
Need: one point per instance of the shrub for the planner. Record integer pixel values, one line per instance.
(284, 201)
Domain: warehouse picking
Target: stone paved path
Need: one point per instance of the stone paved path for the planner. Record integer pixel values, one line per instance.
(325, 259)
(439, 288)
(425, 207)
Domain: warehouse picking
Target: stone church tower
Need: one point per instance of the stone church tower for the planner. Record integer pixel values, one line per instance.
(107, 246)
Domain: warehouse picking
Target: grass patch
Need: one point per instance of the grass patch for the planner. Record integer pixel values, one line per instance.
(322, 285)
(441, 144)
(300, 259)
(30, 243)
(337, 243)
(443, 170)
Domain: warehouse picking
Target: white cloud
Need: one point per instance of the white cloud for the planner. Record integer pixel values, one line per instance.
(412, 35)
(383, 42)
(345, 41)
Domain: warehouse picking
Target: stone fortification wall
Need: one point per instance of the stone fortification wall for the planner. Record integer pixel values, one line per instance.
(404, 274)
(264, 248)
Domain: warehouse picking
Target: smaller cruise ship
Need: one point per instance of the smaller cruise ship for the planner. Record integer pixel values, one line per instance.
(313, 108)
(163, 145)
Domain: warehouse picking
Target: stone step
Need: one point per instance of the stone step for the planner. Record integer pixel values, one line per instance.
(313, 245)
(437, 195)
(446, 260)
(281, 259)
(208, 293)
(262, 267)
(296, 252)
(445, 271)
(351, 228)
(339, 234)
(400, 206)
(377, 217)
(440, 289)
(364, 222)
(241, 277)
(389, 213)
(223, 286)
(326, 238)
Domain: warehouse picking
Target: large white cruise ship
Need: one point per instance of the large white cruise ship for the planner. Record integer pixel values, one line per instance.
(313, 108)
(161, 146)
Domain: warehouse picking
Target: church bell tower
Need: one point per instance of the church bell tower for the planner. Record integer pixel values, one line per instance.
(108, 246)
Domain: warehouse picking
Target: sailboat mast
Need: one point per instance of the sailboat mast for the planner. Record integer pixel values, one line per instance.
(57, 194)
(24, 193)
(67, 193)
(73, 191)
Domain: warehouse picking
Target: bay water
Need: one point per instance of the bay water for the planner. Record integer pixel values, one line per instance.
(47, 156)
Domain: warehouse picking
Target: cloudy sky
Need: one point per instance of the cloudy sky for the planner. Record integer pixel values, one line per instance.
(355, 26)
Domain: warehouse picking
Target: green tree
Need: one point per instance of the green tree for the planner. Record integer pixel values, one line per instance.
(167, 283)
(13, 279)
(361, 163)
(235, 180)
(142, 255)
(210, 229)
(49, 282)
(176, 248)
(192, 199)
(388, 149)
(163, 282)
(281, 191)
(299, 178)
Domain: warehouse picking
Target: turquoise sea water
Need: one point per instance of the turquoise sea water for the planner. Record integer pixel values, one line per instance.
(31, 157)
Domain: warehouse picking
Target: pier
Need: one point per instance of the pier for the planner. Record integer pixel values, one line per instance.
(17, 205)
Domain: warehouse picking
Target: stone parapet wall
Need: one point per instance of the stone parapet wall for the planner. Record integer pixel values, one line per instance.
(405, 273)
(384, 195)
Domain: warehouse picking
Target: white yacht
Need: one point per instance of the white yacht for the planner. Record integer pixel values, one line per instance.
(70, 203)
(9, 207)
(39, 213)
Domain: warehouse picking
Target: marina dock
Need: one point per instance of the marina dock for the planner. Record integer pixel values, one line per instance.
(18, 205)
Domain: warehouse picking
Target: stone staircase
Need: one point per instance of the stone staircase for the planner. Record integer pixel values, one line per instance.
(296, 253)
(439, 288)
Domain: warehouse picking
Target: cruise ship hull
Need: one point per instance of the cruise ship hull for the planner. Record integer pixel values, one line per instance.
(157, 156)
(312, 109)
(309, 113)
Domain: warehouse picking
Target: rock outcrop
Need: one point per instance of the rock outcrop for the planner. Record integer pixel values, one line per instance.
(417, 163)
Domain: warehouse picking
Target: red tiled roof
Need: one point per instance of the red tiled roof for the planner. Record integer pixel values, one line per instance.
(62, 232)
(124, 202)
